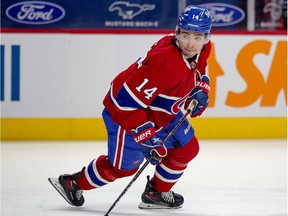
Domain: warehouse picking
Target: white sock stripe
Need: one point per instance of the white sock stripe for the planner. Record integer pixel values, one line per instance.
(164, 179)
(170, 170)
(88, 177)
(97, 173)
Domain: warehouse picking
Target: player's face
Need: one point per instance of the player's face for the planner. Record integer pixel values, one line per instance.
(191, 43)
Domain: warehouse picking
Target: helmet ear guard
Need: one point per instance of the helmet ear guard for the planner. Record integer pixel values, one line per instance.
(194, 19)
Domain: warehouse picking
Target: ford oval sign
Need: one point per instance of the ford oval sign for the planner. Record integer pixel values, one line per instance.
(35, 12)
(224, 14)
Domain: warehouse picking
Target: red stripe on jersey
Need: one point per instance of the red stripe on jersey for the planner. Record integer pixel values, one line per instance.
(119, 149)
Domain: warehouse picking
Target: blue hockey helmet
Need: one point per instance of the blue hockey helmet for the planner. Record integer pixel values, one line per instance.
(195, 19)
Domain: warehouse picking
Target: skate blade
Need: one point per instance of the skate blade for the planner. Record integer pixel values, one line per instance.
(143, 205)
(55, 183)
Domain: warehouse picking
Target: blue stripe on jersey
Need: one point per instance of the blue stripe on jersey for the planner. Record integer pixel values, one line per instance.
(163, 103)
(124, 99)
(168, 175)
(93, 177)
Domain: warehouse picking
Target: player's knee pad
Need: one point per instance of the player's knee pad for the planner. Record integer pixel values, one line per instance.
(100, 172)
(191, 150)
(111, 171)
(180, 157)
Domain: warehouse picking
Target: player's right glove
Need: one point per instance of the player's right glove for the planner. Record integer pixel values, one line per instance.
(149, 142)
(200, 94)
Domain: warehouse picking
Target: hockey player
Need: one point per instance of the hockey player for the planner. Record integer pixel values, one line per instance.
(143, 105)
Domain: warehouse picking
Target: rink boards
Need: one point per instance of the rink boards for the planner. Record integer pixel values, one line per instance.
(55, 90)
(94, 129)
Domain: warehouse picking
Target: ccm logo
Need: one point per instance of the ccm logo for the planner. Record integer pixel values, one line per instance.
(35, 12)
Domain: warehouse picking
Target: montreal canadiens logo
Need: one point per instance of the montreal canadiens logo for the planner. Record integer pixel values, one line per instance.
(177, 105)
(35, 12)
(224, 14)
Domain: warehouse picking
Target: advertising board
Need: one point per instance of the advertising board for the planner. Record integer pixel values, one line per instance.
(68, 77)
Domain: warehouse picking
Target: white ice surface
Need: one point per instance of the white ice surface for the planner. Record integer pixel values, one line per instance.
(227, 178)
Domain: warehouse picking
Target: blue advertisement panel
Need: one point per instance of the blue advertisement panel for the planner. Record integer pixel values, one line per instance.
(90, 14)
(225, 14)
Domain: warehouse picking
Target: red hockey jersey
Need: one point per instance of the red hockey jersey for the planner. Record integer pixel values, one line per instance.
(155, 87)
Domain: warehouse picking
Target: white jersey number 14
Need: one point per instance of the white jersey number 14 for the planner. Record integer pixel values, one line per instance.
(148, 92)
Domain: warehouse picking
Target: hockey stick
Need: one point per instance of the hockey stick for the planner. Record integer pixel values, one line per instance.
(191, 107)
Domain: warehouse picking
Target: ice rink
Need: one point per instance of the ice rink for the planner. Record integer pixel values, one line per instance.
(227, 178)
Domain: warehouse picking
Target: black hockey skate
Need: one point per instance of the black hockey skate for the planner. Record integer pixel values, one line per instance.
(152, 199)
(68, 188)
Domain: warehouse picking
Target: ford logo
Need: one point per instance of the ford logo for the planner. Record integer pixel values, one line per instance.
(224, 14)
(35, 12)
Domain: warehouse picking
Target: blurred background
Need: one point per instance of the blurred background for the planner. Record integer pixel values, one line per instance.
(57, 60)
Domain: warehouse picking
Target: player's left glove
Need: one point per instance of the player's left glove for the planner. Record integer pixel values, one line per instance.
(150, 143)
(199, 93)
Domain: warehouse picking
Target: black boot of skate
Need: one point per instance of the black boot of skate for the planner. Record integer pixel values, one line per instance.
(72, 192)
(68, 188)
(152, 199)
